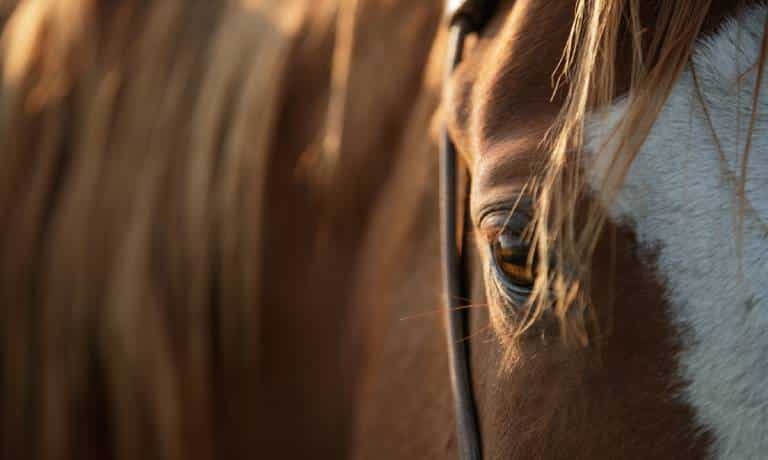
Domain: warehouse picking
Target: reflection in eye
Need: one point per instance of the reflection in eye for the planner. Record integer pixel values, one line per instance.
(513, 266)
(511, 255)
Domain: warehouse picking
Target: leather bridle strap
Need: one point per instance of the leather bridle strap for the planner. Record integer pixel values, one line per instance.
(453, 286)
(465, 17)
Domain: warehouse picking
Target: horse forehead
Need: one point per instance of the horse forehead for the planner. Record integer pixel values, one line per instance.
(681, 199)
(516, 77)
(506, 78)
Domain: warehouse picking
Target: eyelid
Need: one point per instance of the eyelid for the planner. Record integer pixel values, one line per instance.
(496, 221)
(514, 201)
(520, 206)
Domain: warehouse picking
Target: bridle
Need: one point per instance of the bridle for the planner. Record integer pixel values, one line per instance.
(465, 17)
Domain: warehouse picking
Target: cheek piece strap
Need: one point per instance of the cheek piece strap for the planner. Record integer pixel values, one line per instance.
(465, 17)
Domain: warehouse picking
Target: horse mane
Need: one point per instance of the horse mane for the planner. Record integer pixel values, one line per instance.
(656, 40)
(132, 173)
(135, 189)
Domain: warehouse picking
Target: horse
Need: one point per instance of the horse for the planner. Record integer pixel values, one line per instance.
(613, 201)
(220, 229)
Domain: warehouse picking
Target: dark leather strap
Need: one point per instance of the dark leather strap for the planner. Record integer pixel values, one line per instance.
(465, 16)
(456, 320)
(475, 12)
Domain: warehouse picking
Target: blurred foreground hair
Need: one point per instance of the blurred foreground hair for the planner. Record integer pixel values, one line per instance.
(131, 173)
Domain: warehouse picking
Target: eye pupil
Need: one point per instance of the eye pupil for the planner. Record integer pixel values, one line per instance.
(511, 255)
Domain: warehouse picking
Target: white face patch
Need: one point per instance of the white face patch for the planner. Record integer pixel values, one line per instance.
(681, 200)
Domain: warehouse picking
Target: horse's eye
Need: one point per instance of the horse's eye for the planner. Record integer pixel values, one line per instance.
(512, 259)
(511, 255)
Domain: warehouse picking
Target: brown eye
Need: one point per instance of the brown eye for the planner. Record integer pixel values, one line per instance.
(512, 260)
(511, 255)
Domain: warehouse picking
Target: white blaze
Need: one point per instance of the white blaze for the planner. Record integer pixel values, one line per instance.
(682, 205)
